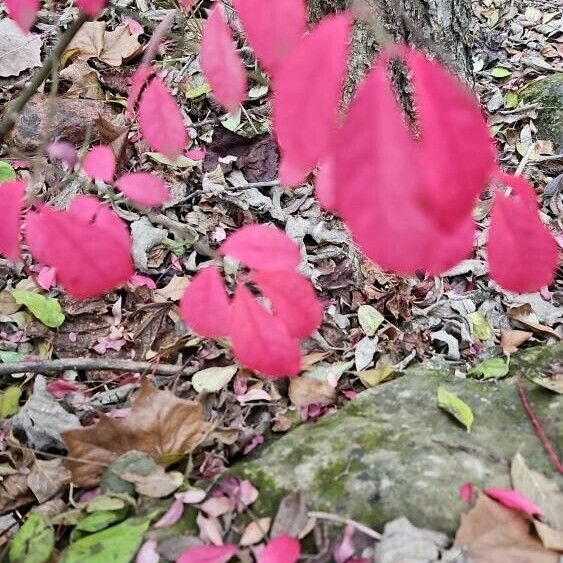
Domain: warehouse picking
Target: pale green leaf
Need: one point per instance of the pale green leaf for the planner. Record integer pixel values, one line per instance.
(511, 100)
(10, 401)
(231, 121)
(213, 379)
(8, 356)
(493, 368)
(117, 544)
(198, 91)
(100, 520)
(452, 404)
(372, 377)
(499, 72)
(180, 162)
(480, 325)
(7, 173)
(45, 309)
(33, 542)
(330, 372)
(370, 319)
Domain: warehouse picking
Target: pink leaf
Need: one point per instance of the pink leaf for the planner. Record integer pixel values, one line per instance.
(205, 305)
(220, 61)
(11, 203)
(138, 280)
(91, 8)
(378, 184)
(63, 151)
(144, 188)
(283, 549)
(262, 248)
(187, 4)
(171, 516)
(88, 245)
(521, 251)
(325, 190)
(46, 278)
(208, 554)
(161, 121)
(293, 300)
(514, 499)
(272, 28)
(261, 341)
(99, 163)
(148, 553)
(138, 81)
(60, 387)
(466, 493)
(307, 90)
(458, 155)
(23, 12)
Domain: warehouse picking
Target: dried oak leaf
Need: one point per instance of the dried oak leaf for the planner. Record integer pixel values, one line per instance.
(159, 424)
(18, 51)
(112, 47)
(490, 532)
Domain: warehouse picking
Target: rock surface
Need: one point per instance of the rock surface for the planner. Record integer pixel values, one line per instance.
(391, 452)
(548, 93)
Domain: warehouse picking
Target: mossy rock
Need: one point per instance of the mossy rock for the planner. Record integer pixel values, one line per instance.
(392, 452)
(548, 94)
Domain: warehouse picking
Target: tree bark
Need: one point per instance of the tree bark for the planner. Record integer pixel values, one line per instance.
(438, 27)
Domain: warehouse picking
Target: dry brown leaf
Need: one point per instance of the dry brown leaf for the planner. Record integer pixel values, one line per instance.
(84, 79)
(255, 531)
(14, 492)
(492, 533)
(47, 478)
(511, 339)
(18, 51)
(524, 314)
(112, 47)
(159, 423)
(173, 291)
(305, 391)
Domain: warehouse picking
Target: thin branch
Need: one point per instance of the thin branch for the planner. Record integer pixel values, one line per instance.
(547, 446)
(342, 520)
(104, 364)
(7, 124)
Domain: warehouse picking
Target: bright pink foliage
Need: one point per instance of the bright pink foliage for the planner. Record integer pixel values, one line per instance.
(161, 120)
(11, 202)
(466, 492)
(307, 90)
(63, 151)
(220, 61)
(522, 253)
(60, 387)
(283, 549)
(272, 28)
(88, 245)
(100, 163)
(260, 339)
(208, 554)
(138, 81)
(144, 188)
(514, 500)
(293, 300)
(205, 305)
(23, 12)
(91, 7)
(262, 248)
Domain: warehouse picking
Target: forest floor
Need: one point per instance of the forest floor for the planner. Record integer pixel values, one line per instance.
(228, 178)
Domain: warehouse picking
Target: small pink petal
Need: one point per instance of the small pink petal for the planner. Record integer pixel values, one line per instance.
(138, 280)
(350, 395)
(63, 151)
(283, 549)
(144, 188)
(466, 492)
(247, 494)
(252, 444)
(60, 387)
(119, 413)
(209, 530)
(134, 26)
(514, 499)
(172, 515)
(196, 154)
(208, 554)
(148, 553)
(193, 496)
(99, 163)
(217, 506)
(87, 496)
(46, 277)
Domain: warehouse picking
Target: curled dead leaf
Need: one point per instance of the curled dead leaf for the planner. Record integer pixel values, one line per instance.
(305, 391)
(511, 339)
(159, 423)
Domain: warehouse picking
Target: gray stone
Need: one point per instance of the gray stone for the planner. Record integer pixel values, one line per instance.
(392, 452)
(548, 93)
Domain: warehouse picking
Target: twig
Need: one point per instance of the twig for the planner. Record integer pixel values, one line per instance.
(270, 184)
(342, 520)
(547, 446)
(524, 161)
(7, 124)
(104, 364)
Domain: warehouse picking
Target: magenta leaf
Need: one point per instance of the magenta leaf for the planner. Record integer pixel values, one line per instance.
(220, 61)
(261, 341)
(63, 151)
(293, 300)
(514, 500)
(272, 28)
(208, 554)
(88, 245)
(205, 305)
(144, 188)
(283, 549)
(11, 203)
(307, 89)
(466, 492)
(138, 81)
(522, 253)
(100, 163)
(23, 12)
(161, 121)
(262, 248)
(91, 8)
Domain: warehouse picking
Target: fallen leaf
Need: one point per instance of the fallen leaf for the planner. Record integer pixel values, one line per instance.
(112, 47)
(255, 531)
(480, 326)
(511, 339)
(47, 478)
(515, 500)
(158, 423)
(452, 404)
(10, 401)
(493, 368)
(46, 309)
(370, 319)
(34, 541)
(14, 492)
(305, 391)
(291, 518)
(495, 534)
(208, 554)
(7, 173)
(283, 549)
(554, 383)
(27, 46)
(363, 354)
(213, 379)
(373, 377)
(174, 290)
